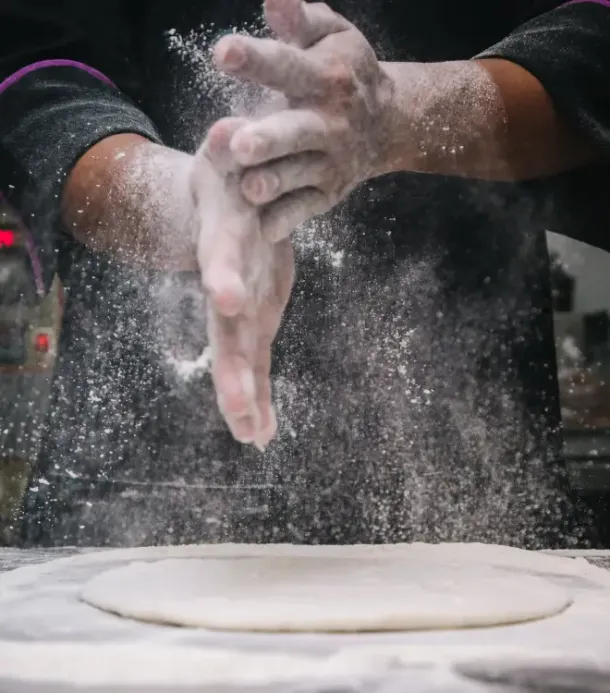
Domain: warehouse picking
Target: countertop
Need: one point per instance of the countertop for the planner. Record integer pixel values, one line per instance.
(41, 609)
(11, 559)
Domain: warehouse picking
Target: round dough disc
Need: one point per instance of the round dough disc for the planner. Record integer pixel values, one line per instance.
(326, 593)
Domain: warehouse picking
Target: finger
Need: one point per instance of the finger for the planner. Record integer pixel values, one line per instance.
(222, 273)
(267, 183)
(286, 18)
(281, 217)
(232, 375)
(283, 274)
(216, 146)
(243, 426)
(267, 428)
(267, 424)
(278, 135)
(273, 64)
(215, 150)
(268, 431)
(226, 231)
(303, 24)
(269, 322)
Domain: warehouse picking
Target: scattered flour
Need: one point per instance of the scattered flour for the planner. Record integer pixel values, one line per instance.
(186, 369)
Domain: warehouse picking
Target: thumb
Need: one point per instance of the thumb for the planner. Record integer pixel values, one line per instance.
(303, 24)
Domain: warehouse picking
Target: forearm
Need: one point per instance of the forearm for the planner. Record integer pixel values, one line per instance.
(131, 198)
(486, 119)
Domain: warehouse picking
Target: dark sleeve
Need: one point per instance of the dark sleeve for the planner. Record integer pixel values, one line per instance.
(568, 50)
(59, 94)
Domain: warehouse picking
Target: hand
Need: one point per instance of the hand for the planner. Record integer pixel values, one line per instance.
(248, 283)
(303, 160)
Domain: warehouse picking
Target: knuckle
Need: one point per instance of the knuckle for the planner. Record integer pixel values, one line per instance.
(235, 405)
(341, 79)
(217, 136)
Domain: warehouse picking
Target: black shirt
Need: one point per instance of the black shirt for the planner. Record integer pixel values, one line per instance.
(414, 373)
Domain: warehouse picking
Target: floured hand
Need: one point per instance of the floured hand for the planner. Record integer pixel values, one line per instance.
(248, 282)
(302, 160)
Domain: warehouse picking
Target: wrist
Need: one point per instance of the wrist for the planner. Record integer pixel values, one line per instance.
(445, 119)
(398, 150)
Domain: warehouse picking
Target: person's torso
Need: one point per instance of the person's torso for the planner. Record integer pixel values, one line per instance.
(414, 371)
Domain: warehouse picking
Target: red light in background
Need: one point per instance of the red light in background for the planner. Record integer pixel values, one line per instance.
(42, 343)
(8, 238)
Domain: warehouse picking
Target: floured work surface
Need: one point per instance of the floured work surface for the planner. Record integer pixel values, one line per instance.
(51, 638)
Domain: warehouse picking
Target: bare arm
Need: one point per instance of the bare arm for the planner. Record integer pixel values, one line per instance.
(131, 197)
(66, 162)
(530, 107)
(150, 205)
(485, 119)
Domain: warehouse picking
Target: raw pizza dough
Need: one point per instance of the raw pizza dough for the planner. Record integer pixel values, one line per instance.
(322, 589)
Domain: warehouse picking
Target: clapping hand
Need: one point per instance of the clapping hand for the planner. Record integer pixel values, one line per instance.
(302, 160)
(256, 181)
(247, 281)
